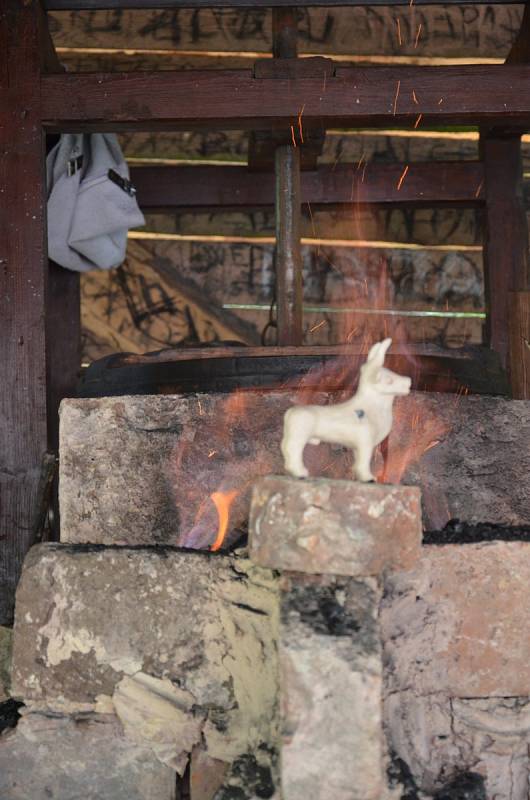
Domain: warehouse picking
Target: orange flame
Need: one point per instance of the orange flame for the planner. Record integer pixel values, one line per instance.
(223, 502)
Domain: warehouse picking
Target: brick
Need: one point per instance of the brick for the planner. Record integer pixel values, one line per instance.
(181, 645)
(136, 470)
(64, 758)
(330, 677)
(334, 527)
(458, 622)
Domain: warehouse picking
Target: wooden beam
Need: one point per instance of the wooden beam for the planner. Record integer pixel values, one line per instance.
(505, 235)
(355, 97)
(23, 290)
(224, 369)
(166, 188)
(93, 5)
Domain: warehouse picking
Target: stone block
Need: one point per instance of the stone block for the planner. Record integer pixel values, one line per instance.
(330, 677)
(140, 470)
(334, 527)
(64, 758)
(181, 645)
(458, 622)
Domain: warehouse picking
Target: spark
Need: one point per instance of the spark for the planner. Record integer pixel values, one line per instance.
(479, 188)
(293, 137)
(212, 453)
(402, 178)
(440, 101)
(399, 31)
(201, 412)
(364, 171)
(418, 32)
(316, 327)
(300, 124)
(360, 161)
(418, 120)
(396, 97)
(415, 99)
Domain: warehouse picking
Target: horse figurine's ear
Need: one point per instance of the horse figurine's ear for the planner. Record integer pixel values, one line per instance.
(376, 356)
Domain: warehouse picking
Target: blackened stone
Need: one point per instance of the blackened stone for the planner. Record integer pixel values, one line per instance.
(400, 775)
(251, 776)
(466, 786)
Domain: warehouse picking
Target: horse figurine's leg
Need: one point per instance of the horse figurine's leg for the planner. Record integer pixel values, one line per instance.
(362, 460)
(296, 434)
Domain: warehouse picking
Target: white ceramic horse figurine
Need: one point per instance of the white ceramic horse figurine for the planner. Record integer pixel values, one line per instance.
(360, 423)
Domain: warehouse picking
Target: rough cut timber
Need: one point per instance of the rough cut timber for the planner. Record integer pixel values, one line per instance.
(23, 284)
(141, 469)
(330, 677)
(225, 99)
(65, 758)
(457, 654)
(187, 656)
(334, 527)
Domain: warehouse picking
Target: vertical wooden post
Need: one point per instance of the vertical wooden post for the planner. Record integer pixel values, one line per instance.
(23, 288)
(520, 344)
(63, 319)
(288, 246)
(289, 290)
(505, 241)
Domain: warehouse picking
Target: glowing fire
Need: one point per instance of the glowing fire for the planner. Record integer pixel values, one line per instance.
(223, 502)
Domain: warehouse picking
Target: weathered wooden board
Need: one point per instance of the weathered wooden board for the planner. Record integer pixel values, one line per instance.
(235, 99)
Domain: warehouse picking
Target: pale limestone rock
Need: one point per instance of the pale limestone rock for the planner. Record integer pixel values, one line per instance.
(331, 693)
(64, 758)
(334, 527)
(95, 624)
(158, 714)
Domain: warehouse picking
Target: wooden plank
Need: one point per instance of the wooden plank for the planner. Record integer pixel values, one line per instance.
(519, 305)
(165, 188)
(335, 351)
(235, 99)
(93, 5)
(23, 288)
(505, 235)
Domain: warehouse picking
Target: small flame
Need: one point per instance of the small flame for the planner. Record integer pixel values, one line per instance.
(223, 502)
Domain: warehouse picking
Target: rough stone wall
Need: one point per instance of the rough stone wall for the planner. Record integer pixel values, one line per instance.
(141, 470)
(187, 655)
(457, 676)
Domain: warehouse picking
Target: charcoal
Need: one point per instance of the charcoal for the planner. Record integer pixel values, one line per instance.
(399, 774)
(466, 786)
(9, 715)
(458, 532)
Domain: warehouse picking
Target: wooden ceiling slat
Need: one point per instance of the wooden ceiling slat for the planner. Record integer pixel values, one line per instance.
(164, 188)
